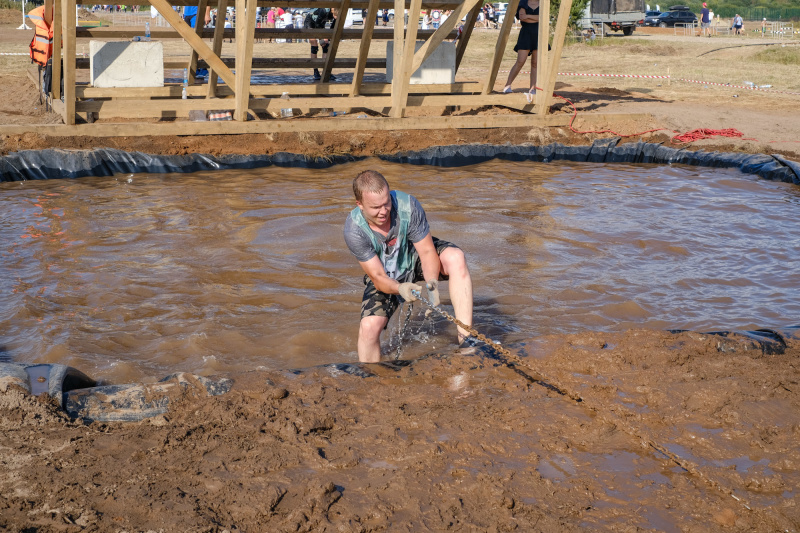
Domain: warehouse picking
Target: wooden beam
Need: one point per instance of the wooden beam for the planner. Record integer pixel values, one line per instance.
(198, 30)
(222, 7)
(409, 47)
(469, 25)
(543, 54)
(444, 5)
(55, 87)
(441, 33)
(317, 89)
(175, 20)
(386, 34)
(264, 63)
(130, 129)
(397, 51)
(363, 49)
(245, 28)
(558, 46)
(68, 21)
(500, 46)
(333, 44)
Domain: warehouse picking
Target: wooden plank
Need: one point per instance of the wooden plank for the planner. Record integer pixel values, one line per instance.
(222, 7)
(245, 27)
(500, 46)
(194, 41)
(333, 44)
(469, 25)
(295, 125)
(543, 55)
(397, 52)
(178, 107)
(558, 46)
(409, 47)
(293, 4)
(198, 30)
(55, 88)
(363, 50)
(441, 33)
(265, 63)
(68, 21)
(262, 33)
(320, 89)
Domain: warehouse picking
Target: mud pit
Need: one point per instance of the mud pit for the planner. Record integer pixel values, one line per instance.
(453, 441)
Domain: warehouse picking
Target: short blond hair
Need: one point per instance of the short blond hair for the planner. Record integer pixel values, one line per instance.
(369, 180)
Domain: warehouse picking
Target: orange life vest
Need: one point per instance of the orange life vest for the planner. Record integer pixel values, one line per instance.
(42, 43)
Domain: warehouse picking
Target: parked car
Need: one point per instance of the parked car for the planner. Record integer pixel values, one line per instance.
(676, 15)
(650, 18)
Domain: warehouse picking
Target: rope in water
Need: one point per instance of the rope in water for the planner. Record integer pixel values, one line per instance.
(611, 419)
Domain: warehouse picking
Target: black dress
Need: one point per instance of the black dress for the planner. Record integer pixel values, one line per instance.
(529, 34)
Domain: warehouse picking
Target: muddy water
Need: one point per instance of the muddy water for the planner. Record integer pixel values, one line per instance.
(134, 277)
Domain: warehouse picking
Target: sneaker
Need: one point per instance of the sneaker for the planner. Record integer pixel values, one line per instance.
(317, 75)
(507, 90)
(530, 95)
(201, 73)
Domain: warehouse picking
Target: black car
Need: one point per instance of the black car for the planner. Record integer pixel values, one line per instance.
(675, 16)
(650, 18)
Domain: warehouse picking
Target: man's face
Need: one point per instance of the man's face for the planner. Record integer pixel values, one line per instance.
(376, 207)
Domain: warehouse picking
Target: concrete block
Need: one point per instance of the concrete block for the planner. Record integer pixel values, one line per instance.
(440, 67)
(126, 63)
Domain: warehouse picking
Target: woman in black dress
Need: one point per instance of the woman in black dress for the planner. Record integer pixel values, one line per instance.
(527, 43)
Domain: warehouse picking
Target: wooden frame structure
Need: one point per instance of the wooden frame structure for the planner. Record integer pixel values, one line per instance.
(390, 101)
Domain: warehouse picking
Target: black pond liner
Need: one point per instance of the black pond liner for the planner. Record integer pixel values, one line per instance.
(56, 163)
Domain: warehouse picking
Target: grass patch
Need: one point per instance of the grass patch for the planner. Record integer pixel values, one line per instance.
(781, 56)
(11, 4)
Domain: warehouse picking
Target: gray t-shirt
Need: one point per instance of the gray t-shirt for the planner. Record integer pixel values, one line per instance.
(360, 244)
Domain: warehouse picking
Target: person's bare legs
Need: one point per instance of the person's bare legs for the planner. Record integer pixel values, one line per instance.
(522, 56)
(534, 56)
(454, 265)
(369, 338)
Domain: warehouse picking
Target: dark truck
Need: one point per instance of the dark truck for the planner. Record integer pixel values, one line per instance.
(614, 15)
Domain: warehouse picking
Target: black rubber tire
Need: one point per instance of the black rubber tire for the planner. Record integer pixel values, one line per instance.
(628, 30)
(662, 25)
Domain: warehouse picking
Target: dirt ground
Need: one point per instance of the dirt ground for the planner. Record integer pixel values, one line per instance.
(634, 431)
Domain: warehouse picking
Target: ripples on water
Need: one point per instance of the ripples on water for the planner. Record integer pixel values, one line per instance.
(236, 270)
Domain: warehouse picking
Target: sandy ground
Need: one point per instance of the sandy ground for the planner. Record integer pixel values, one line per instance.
(633, 431)
(636, 431)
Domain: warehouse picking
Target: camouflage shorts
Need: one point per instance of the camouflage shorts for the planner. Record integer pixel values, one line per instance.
(376, 303)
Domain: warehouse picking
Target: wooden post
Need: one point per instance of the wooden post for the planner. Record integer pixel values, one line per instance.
(245, 33)
(68, 19)
(558, 46)
(175, 20)
(469, 25)
(399, 100)
(543, 55)
(500, 47)
(55, 87)
(397, 53)
(200, 21)
(363, 50)
(219, 33)
(333, 44)
(441, 33)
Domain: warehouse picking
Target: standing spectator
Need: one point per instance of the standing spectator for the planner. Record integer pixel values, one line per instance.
(527, 44)
(737, 24)
(318, 18)
(763, 27)
(705, 21)
(385, 17)
(271, 19)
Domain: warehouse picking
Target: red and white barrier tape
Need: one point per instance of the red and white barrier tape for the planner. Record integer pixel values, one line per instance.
(748, 87)
(614, 75)
(14, 53)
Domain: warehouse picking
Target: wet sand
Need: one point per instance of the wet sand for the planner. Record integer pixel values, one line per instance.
(632, 431)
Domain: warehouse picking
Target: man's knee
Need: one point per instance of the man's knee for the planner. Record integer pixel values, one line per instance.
(454, 262)
(314, 50)
(371, 327)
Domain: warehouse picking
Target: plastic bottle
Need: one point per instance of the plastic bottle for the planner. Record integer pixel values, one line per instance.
(287, 111)
(146, 31)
